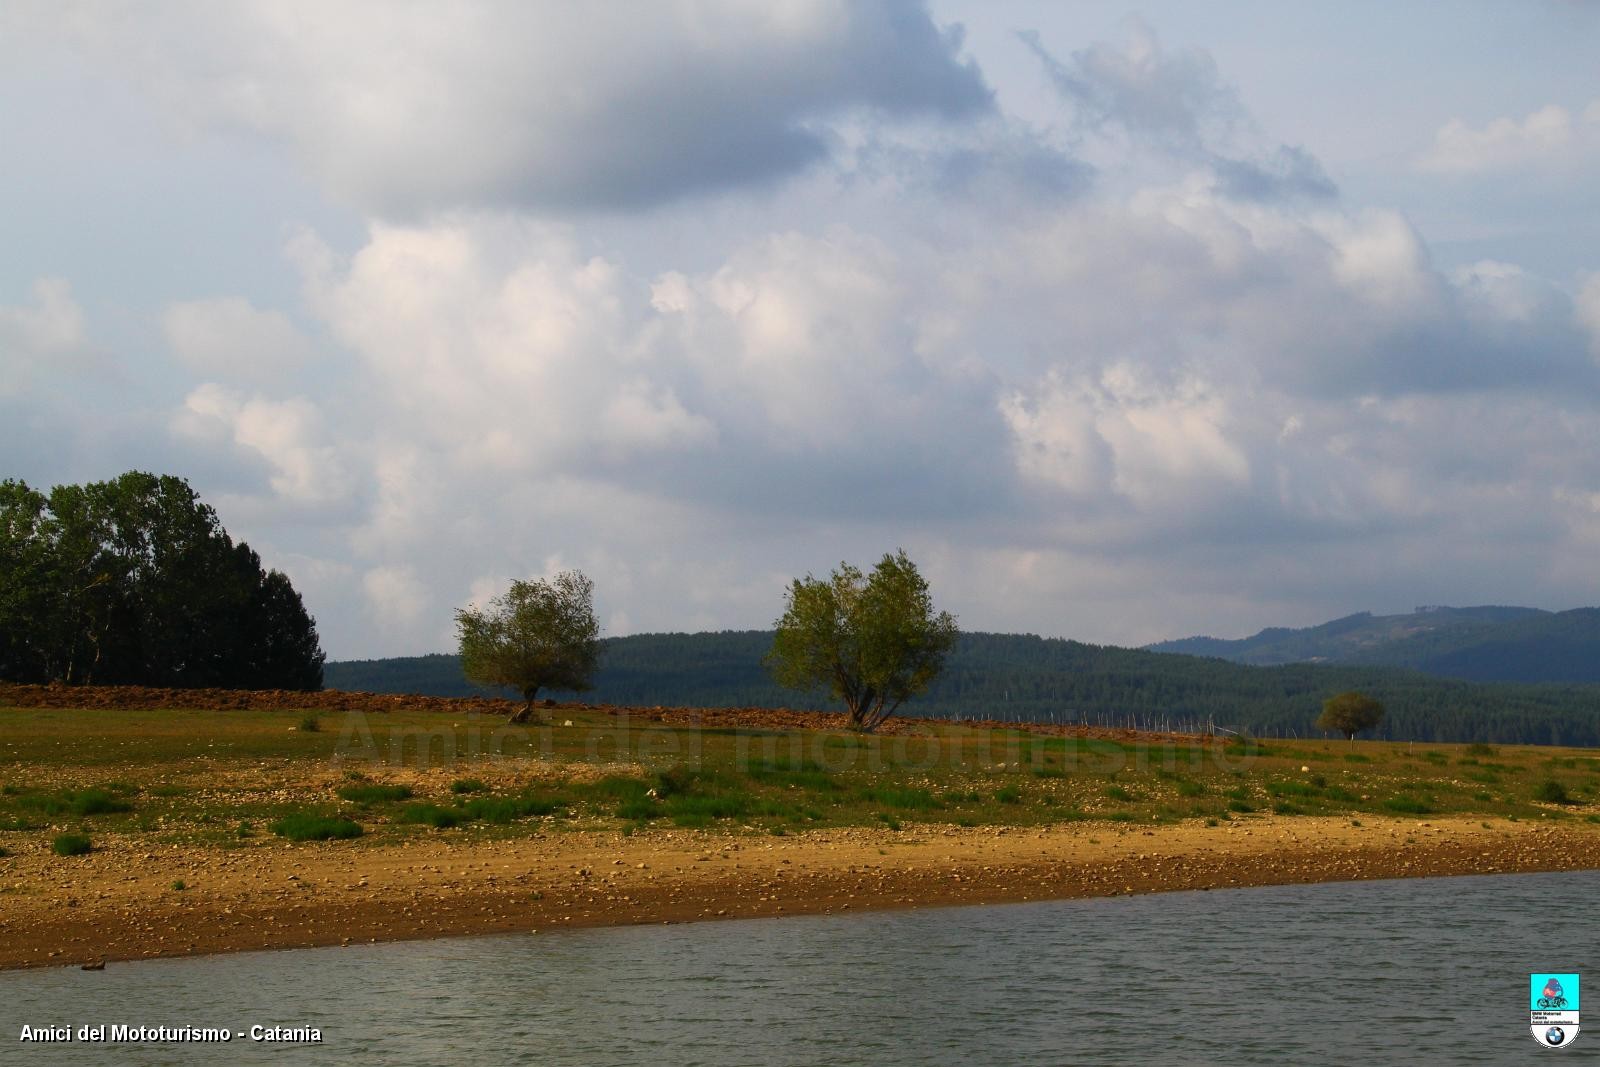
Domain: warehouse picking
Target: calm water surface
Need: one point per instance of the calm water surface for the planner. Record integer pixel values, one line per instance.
(1429, 970)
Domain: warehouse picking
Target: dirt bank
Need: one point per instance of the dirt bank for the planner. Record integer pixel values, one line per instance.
(101, 697)
(120, 902)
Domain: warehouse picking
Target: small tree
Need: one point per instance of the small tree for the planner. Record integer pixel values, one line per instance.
(1349, 714)
(540, 634)
(873, 641)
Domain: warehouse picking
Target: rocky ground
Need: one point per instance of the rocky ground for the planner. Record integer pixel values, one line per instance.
(120, 902)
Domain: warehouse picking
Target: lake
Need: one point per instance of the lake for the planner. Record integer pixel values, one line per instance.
(1361, 972)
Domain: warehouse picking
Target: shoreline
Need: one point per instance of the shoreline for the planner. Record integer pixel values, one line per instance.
(119, 903)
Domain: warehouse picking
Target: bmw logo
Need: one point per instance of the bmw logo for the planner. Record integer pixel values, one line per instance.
(1555, 1035)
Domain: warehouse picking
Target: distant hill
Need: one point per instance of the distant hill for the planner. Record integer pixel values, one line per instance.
(1486, 644)
(1022, 677)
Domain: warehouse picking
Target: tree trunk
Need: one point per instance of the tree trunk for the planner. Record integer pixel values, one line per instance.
(859, 709)
(524, 713)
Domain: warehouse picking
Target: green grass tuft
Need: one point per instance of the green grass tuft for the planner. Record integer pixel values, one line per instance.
(71, 845)
(306, 826)
(375, 794)
(431, 815)
(74, 802)
(468, 785)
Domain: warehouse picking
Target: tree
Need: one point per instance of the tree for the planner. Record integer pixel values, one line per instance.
(539, 635)
(134, 581)
(1349, 714)
(873, 641)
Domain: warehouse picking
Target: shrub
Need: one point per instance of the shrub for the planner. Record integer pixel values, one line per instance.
(310, 724)
(179, 885)
(1407, 806)
(305, 826)
(71, 845)
(1009, 795)
(1116, 792)
(1478, 748)
(468, 785)
(1552, 792)
(1240, 806)
(375, 794)
(1190, 789)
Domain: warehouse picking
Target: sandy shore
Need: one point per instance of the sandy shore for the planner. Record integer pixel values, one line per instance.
(119, 903)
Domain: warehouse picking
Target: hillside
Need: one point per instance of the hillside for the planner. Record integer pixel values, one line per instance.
(1022, 677)
(1364, 638)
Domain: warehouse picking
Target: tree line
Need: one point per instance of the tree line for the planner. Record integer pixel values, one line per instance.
(1020, 676)
(134, 581)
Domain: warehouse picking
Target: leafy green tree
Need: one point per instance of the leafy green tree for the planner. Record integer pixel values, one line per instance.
(874, 641)
(134, 581)
(1349, 714)
(538, 635)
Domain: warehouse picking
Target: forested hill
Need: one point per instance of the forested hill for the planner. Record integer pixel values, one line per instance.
(1485, 644)
(1011, 676)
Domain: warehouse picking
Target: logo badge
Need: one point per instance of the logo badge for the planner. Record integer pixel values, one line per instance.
(1553, 1008)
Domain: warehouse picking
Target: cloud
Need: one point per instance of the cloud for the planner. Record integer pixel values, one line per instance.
(1125, 434)
(410, 109)
(307, 470)
(230, 338)
(1588, 310)
(1550, 134)
(1176, 104)
(396, 599)
(42, 337)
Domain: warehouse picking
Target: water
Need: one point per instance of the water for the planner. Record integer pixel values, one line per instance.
(1431, 970)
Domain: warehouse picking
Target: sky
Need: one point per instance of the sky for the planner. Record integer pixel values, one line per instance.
(1126, 322)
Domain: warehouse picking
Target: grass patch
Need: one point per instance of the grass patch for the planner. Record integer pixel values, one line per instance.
(306, 826)
(467, 785)
(502, 810)
(361, 793)
(1356, 757)
(902, 798)
(1478, 748)
(1240, 806)
(1187, 788)
(433, 815)
(1117, 792)
(310, 725)
(1551, 791)
(1008, 795)
(71, 845)
(1408, 806)
(807, 774)
(74, 802)
(1292, 789)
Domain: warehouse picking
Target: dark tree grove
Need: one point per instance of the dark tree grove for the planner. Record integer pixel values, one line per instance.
(134, 581)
